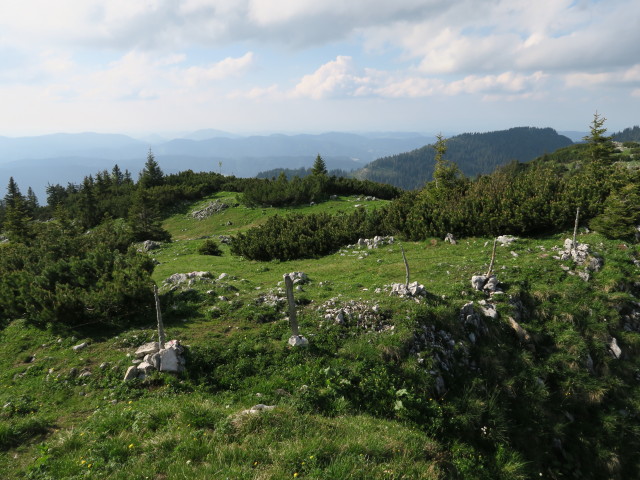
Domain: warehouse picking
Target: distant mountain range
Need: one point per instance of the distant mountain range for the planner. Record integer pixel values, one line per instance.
(403, 159)
(474, 153)
(63, 158)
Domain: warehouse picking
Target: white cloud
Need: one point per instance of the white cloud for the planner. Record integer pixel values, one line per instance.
(225, 68)
(615, 78)
(335, 78)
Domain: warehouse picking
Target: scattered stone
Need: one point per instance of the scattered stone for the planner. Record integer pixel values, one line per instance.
(167, 359)
(298, 341)
(522, 334)
(222, 276)
(584, 275)
(615, 350)
(146, 349)
(79, 347)
(210, 209)
(488, 309)
(132, 372)
(180, 278)
(271, 299)
(372, 243)
(484, 283)
(149, 245)
(258, 408)
(450, 239)
(298, 278)
(478, 281)
(226, 239)
(414, 290)
(506, 240)
(589, 363)
(85, 374)
(356, 314)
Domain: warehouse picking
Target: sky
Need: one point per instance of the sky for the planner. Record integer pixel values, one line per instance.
(292, 66)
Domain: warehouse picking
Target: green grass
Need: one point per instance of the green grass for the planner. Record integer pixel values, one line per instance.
(358, 403)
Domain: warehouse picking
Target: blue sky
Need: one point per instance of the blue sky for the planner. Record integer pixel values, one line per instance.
(259, 66)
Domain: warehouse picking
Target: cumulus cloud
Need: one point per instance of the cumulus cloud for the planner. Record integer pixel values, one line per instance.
(218, 71)
(617, 78)
(443, 36)
(342, 78)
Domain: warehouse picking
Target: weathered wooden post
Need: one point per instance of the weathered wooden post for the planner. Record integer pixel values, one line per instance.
(161, 338)
(296, 340)
(493, 258)
(406, 267)
(574, 245)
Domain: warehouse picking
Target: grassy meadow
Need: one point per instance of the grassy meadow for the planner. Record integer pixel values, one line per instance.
(363, 401)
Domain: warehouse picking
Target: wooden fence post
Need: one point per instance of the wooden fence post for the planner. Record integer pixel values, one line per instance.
(161, 339)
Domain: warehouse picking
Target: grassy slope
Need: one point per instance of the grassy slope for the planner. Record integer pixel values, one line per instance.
(333, 418)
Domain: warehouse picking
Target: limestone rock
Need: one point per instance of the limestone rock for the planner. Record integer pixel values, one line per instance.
(132, 372)
(414, 289)
(478, 281)
(149, 245)
(488, 310)
(450, 239)
(298, 341)
(522, 334)
(615, 350)
(506, 240)
(210, 209)
(147, 349)
(298, 277)
(491, 284)
(80, 346)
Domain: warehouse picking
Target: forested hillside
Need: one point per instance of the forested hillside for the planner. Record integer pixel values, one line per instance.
(628, 135)
(474, 153)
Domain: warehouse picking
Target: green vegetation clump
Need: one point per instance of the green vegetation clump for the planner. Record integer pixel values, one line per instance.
(210, 247)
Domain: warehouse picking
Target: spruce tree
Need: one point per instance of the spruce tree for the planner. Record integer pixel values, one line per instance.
(319, 167)
(151, 175)
(445, 172)
(600, 147)
(144, 218)
(16, 220)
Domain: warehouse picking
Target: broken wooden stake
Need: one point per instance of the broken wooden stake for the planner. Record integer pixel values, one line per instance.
(161, 338)
(296, 340)
(406, 267)
(574, 245)
(292, 305)
(493, 258)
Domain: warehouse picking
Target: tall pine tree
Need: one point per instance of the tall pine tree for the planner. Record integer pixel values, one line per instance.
(151, 175)
(17, 220)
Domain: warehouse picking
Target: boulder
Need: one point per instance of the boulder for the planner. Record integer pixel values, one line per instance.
(178, 278)
(491, 284)
(615, 350)
(298, 341)
(80, 346)
(488, 310)
(478, 281)
(132, 372)
(298, 277)
(149, 245)
(171, 361)
(505, 240)
(147, 349)
(450, 239)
